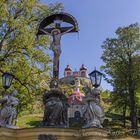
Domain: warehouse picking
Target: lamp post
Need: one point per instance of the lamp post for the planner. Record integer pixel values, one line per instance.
(93, 102)
(7, 80)
(95, 77)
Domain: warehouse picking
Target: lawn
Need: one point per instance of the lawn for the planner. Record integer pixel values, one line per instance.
(27, 121)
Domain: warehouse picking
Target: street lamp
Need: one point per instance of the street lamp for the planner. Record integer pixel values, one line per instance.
(95, 77)
(7, 80)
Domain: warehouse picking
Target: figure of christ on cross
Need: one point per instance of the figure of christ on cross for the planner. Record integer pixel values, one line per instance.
(56, 47)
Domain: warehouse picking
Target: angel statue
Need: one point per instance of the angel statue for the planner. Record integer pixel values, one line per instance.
(94, 112)
(8, 110)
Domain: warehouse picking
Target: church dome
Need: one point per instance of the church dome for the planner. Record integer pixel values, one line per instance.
(68, 68)
(83, 67)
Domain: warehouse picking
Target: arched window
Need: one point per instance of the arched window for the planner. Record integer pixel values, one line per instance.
(77, 115)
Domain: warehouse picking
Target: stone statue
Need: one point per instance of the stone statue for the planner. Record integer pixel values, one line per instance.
(55, 45)
(8, 109)
(55, 108)
(93, 114)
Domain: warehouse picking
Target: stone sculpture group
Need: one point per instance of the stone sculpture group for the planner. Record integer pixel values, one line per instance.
(56, 108)
(8, 110)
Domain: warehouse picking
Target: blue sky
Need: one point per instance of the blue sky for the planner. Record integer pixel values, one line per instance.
(97, 19)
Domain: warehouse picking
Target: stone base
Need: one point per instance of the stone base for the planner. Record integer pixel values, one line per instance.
(58, 133)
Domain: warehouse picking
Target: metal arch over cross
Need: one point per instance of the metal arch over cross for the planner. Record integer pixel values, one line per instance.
(56, 32)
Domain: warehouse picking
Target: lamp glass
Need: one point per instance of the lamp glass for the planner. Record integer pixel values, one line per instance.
(95, 78)
(7, 80)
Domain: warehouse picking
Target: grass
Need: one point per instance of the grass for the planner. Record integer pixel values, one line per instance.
(28, 121)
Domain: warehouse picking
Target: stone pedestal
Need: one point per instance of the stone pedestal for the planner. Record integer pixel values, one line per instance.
(58, 133)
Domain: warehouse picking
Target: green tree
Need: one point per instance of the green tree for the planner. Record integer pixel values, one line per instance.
(121, 57)
(120, 103)
(21, 52)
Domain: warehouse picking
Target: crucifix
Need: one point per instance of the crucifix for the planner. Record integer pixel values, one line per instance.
(56, 33)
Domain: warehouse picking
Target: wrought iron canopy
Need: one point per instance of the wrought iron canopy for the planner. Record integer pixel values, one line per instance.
(65, 17)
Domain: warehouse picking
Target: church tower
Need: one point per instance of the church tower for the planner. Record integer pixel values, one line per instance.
(67, 71)
(83, 71)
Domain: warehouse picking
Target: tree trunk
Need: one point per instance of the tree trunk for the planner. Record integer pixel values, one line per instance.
(133, 110)
(124, 115)
(139, 116)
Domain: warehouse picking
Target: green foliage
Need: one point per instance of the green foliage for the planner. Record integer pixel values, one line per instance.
(105, 100)
(105, 94)
(120, 102)
(67, 89)
(121, 56)
(21, 52)
(138, 98)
